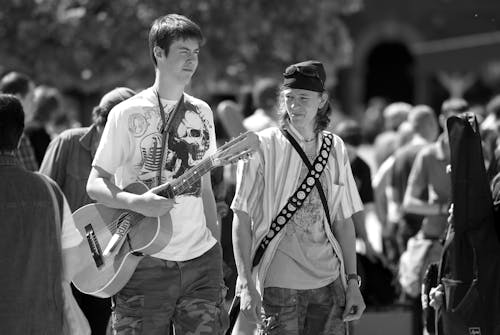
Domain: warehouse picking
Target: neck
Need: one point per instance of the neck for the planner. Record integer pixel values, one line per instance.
(306, 132)
(167, 87)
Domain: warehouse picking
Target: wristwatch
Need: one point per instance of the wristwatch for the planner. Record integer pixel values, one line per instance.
(354, 276)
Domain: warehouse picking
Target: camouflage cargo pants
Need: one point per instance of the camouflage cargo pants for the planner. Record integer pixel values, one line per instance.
(188, 294)
(304, 312)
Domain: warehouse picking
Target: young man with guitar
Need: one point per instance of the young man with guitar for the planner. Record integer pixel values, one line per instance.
(154, 138)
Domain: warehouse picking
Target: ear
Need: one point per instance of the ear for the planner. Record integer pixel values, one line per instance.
(324, 99)
(158, 52)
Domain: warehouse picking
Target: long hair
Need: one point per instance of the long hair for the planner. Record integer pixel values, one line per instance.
(322, 117)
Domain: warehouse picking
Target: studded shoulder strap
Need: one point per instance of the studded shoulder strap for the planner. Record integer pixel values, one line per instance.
(297, 198)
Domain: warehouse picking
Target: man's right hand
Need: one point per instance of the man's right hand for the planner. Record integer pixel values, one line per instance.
(152, 205)
(250, 304)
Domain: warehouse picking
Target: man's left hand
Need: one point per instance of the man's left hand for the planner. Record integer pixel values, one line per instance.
(354, 305)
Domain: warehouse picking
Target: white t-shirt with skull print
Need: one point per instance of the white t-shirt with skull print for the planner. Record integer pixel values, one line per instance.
(131, 149)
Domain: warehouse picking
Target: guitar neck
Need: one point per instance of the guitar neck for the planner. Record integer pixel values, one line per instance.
(186, 180)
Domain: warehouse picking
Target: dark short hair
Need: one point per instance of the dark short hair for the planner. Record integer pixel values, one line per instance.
(493, 106)
(46, 101)
(16, 83)
(264, 91)
(350, 132)
(169, 28)
(11, 121)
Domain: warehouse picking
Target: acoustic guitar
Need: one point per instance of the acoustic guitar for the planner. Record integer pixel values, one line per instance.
(115, 240)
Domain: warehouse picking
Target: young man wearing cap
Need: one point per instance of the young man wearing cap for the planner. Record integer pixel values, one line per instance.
(153, 138)
(305, 281)
(68, 161)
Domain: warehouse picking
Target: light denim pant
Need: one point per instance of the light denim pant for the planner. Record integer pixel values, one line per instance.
(304, 312)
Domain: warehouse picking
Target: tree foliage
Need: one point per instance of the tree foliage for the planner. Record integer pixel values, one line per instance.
(92, 45)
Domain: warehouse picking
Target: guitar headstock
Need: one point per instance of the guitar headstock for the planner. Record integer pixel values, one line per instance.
(241, 147)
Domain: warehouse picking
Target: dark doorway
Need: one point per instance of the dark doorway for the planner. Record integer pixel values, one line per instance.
(390, 73)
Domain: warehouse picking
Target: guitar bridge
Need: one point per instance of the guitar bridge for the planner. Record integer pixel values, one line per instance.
(95, 248)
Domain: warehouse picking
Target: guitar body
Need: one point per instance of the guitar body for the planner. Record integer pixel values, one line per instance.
(107, 267)
(103, 276)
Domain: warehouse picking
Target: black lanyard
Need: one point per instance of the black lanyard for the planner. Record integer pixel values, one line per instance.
(165, 125)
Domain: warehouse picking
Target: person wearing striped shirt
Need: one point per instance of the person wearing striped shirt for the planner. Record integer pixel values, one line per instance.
(306, 281)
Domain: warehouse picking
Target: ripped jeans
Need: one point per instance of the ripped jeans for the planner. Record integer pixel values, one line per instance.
(304, 312)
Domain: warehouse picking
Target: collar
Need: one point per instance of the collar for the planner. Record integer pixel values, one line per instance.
(298, 136)
(8, 160)
(89, 137)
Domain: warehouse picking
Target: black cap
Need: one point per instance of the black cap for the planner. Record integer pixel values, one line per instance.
(309, 75)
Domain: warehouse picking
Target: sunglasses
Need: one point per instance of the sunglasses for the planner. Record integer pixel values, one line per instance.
(306, 71)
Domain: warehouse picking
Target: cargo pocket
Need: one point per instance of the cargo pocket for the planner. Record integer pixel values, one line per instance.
(223, 313)
(280, 311)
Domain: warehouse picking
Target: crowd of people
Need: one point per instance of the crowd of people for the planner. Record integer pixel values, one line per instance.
(338, 204)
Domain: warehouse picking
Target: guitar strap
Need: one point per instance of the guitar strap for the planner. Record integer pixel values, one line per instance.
(302, 155)
(298, 197)
(165, 128)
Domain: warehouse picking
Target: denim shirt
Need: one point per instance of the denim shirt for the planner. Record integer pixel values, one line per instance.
(68, 162)
(30, 257)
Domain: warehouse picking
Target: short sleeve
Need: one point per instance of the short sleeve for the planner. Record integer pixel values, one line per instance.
(209, 117)
(249, 186)
(70, 236)
(112, 152)
(418, 179)
(55, 160)
(350, 202)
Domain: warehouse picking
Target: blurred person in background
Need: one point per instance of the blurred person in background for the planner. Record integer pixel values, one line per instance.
(264, 97)
(381, 180)
(429, 187)
(68, 162)
(38, 245)
(425, 129)
(386, 142)
(490, 135)
(428, 194)
(20, 85)
(350, 132)
(47, 104)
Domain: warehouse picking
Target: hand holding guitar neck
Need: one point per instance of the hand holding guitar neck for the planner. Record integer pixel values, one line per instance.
(144, 229)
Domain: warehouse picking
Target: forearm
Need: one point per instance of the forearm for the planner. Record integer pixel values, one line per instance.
(344, 232)
(242, 244)
(416, 206)
(359, 225)
(101, 189)
(210, 208)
